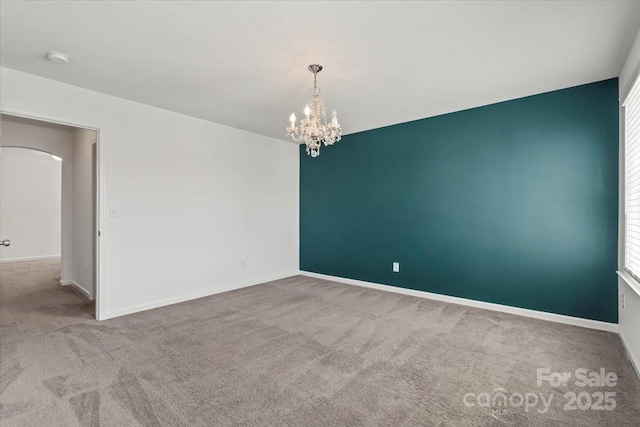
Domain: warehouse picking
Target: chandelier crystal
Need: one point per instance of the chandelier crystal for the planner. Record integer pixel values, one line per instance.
(314, 130)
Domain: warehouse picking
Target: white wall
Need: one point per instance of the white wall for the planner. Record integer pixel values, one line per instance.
(631, 68)
(83, 210)
(30, 204)
(194, 199)
(629, 315)
(55, 140)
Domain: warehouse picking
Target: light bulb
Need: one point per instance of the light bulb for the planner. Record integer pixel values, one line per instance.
(292, 119)
(307, 111)
(334, 119)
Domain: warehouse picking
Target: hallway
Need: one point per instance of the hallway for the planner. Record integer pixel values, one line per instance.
(32, 299)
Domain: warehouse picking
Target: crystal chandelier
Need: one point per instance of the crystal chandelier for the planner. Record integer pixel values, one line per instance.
(313, 129)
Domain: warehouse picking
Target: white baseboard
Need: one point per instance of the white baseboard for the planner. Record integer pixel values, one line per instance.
(170, 301)
(77, 287)
(552, 317)
(635, 360)
(31, 258)
(629, 318)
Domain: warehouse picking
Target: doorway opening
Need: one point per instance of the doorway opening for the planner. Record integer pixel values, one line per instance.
(49, 190)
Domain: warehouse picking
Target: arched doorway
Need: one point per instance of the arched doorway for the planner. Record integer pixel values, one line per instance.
(30, 204)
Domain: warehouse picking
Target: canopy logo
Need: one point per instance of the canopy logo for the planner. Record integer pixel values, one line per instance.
(499, 401)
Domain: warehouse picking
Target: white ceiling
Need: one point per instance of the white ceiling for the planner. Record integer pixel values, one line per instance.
(244, 64)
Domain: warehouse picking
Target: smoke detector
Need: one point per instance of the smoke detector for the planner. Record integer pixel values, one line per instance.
(58, 57)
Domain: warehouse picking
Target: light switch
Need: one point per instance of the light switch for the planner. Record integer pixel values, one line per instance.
(396, 267)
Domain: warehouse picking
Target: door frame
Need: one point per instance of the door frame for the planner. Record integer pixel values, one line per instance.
(100, 253)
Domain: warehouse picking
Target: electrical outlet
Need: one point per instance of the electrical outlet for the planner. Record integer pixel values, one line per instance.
(396, 267)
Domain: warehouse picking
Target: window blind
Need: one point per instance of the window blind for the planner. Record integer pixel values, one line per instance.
(632, 181)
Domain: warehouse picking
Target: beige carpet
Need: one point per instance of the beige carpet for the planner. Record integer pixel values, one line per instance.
(297, 352)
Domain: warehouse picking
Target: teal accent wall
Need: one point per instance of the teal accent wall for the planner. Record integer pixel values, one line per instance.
(514, 203)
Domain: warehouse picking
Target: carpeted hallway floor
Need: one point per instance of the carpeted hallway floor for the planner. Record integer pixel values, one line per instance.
(297, 352)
